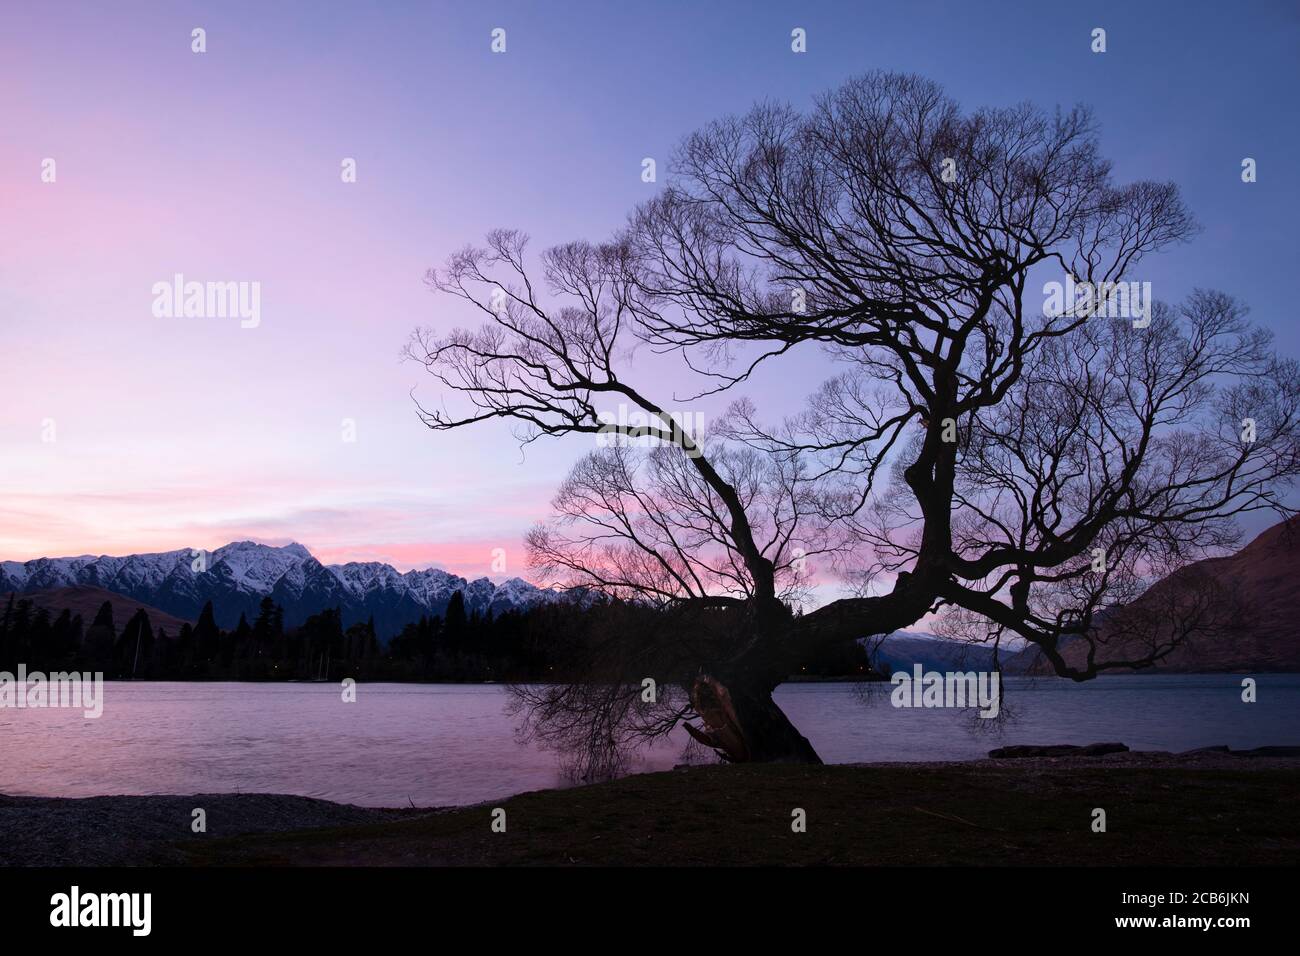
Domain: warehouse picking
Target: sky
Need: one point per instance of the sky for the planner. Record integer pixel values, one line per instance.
(122, 431)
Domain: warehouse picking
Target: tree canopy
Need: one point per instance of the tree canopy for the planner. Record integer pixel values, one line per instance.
(1022, 472)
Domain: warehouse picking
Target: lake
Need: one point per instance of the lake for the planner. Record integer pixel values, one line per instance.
(442, 744)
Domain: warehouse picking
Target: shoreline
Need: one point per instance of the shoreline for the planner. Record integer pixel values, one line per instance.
(792, 679)
(1194, 808)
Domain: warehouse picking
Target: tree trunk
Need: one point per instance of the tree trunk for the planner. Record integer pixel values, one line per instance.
(744, 725)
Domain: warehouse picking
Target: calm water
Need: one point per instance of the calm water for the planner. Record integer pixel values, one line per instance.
(454, 744)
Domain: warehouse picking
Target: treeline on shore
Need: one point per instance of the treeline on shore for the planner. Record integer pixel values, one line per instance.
(547, 642)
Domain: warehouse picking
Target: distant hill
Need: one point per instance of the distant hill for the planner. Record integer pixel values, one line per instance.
(1248, 621)
(86, 601)
(1253, 623)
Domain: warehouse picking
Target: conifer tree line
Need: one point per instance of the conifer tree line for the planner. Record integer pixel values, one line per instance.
(546, 642)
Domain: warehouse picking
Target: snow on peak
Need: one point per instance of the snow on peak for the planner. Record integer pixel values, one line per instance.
(256, 567)
(361, 577)
(248, 567)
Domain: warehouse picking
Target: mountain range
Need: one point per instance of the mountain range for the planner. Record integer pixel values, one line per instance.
(901, 650)
(236, 577)
(1262, 580)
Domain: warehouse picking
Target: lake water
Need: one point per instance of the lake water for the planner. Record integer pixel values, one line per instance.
(440, 744)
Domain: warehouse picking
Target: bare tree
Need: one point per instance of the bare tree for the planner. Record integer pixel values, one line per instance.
(1023, 471)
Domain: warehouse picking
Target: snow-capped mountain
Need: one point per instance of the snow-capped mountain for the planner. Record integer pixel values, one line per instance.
(236, 578)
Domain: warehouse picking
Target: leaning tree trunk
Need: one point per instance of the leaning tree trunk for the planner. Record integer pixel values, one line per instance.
(743, 723)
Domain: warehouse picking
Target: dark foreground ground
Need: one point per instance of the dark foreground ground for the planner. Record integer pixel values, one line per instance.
(1160, 810)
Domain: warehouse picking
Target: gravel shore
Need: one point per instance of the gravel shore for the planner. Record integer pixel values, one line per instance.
(132, 830)
(259, 828)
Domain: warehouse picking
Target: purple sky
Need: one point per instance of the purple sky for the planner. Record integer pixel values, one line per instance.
(174, 432)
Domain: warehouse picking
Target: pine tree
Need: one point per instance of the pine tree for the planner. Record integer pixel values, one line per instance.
(455, 623)
(185, 651)
(6, 629)
(262, 627)
(135, 649)
(100, 639)
(104, 617)
(207, 636)
(238, 644)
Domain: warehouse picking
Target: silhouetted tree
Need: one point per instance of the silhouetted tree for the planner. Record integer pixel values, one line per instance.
(104, 616)
(101, 639)
(7, 635)
(238, 643)
(267, 628)
(455, 623)
(135, 648)
(207, 636)
(1014, 468)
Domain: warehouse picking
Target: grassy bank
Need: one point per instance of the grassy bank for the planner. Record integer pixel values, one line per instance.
(984, 813)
